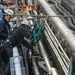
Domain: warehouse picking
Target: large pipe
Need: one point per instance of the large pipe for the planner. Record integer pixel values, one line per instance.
(16, 61)
(35, 67)
(62, 27)
(45, 56)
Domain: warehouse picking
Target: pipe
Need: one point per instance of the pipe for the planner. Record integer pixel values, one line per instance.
(29, 2)
(52, 69)
(16, 12)
(54, 72)
(23, 2)
(24, 51)
(56, 53)
(33, 60)
(62, 27)
(45, 56)
(35, 67)
(51, 33)
(30, 21)
(57, 45)
(16, 61)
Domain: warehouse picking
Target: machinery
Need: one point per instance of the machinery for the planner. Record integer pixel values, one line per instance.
(52, 23)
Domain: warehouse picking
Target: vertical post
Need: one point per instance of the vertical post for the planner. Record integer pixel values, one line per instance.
(35, 3)
(16, 12)
(23, 2)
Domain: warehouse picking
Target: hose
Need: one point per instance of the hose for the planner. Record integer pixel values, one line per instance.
(73, 19)
(70, 23)
(60, 11)
(51, 1)
(65, 12)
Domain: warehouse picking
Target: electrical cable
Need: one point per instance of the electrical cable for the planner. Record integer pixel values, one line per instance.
(65, 12)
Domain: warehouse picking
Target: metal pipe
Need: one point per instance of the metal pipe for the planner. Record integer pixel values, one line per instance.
(16, 61)
(62, 27)
(35, 67)
(56, 53)
(16, 12)
(51, 33)
(35, 3)
(33, 60)
(54, 72)
(57, 46)
(24, 51)
(23, 2)
(45, 56)
(30, 21)
(29, 2)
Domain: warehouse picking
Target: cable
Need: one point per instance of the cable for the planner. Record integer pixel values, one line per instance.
(65, 12)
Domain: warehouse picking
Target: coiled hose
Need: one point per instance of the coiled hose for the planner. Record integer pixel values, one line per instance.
(64, 12)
